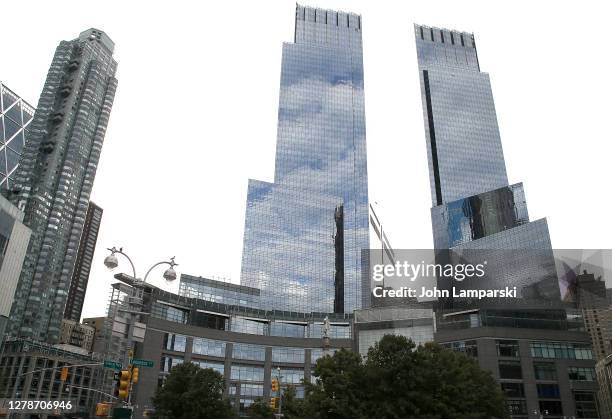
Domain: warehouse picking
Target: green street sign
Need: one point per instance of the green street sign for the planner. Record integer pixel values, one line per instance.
(142, 363)
(112, 365)
(122, 413)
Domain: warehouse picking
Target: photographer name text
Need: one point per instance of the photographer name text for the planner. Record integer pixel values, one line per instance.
(425, 292)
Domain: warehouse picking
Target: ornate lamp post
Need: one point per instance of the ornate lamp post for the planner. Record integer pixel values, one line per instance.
(111, 262)
(135, 304)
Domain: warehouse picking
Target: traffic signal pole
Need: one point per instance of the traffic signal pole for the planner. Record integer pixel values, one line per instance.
(95, 391)
(59, 368)
(280, 396)
(277, 388)
(134, 310)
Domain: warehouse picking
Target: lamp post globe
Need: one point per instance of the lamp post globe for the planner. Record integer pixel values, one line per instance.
(111, 261)
(170, 274)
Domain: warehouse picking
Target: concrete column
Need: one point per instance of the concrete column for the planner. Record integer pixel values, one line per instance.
(13, 373)
(52, 378)
(531, 391)
(565, 386)
(54, 373)
(41, 380)
(188, 348)
(267, 373)
(81, 384)
(73, 382)
(307, 366)
(18, 376)
(227, 367)
(237, 399)
(24, 395)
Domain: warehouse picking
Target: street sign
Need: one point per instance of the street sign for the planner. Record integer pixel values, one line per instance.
(112, 365)
(122, 413)
(143, 363)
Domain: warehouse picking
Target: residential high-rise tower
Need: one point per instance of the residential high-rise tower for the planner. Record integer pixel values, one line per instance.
(304, 233)
(82, 266)
(56, 174)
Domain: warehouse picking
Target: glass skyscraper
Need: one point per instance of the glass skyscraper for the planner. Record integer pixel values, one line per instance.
(55, 177)
(304, 232)
(473, 204)
(475, 210)
(15, 117)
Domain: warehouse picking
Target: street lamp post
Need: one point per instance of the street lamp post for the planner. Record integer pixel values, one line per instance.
(111, 262)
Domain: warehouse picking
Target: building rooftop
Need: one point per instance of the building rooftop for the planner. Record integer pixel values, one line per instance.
(101, 36)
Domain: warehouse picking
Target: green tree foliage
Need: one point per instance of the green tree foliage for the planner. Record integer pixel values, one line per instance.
(260, 409)
(340, 388)
(292, 406)
(430, 381)
(397, 380)
(191, 392)
(400, 380)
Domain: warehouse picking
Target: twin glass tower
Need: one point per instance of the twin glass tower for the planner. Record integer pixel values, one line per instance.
(474, 207)
(304, 233)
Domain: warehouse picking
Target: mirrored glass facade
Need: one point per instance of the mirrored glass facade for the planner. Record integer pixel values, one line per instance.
(245, 344)
(218, 291)
(479, 216)
(464, 145)
(15, 117)
(305, 231)
(474, 207)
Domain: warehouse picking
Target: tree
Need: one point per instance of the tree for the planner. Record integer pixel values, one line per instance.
(339, 390)
(430, 381)
(260, 409)
(400, 380)
(292, 406)
(191, 392)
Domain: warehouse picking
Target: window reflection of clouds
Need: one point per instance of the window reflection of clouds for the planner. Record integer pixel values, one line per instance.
(470, 156)
(475, 207)
(469, 152)
(481, 215)
(320, 164)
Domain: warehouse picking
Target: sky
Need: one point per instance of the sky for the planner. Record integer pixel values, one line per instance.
(195, 116)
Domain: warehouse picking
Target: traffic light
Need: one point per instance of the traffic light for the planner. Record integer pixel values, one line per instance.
(273, 401)
(274, 384)
(135, 375)
(64, 374)
(123, 385)
(103, 409)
